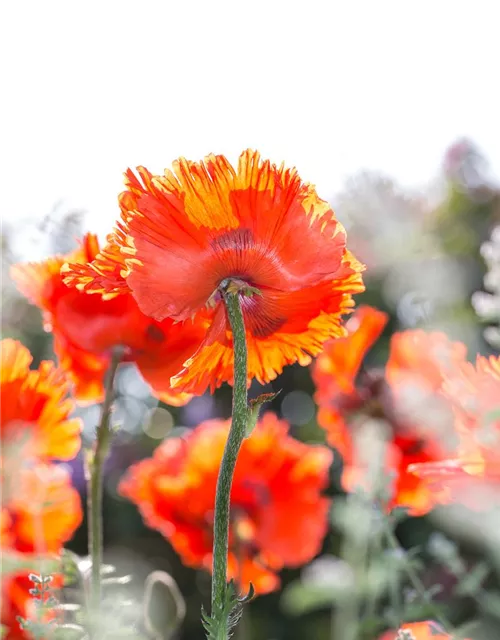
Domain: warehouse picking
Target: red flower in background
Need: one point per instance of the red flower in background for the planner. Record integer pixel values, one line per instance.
(35, 410)
(186, 232)
(87, 328)
(427, 630)
(472, 476)
(38, 516)
(416, 369)
(279, 517)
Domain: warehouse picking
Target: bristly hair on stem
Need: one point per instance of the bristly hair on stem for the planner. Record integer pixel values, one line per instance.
(224, 620)
(225, 605)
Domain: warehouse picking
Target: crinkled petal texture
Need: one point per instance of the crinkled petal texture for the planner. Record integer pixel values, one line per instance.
(35, 409)
(426, 630)
(87, 328)
(37, 518)
(279, 517)
(183, 233)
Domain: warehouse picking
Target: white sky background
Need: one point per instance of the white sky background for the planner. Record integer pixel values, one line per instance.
(90, 88)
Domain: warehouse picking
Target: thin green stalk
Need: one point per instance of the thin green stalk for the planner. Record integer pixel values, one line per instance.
(374, 552)
(235, 438)
(345, 618)
(395, 595)
(95, 488)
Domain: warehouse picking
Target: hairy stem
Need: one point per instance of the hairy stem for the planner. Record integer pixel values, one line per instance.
(235, 438)
(95, 488)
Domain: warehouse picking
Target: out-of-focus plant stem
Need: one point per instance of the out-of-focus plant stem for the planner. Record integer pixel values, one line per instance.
(414, 579)
(235, 438)
(374, 552)
(95, 489)
(346, 615)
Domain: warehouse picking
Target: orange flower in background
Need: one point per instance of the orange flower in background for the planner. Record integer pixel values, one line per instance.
(427, 630)
(44, 509)
(414, 432)
(38, 517)
(419, 364)
(35, 409)
(474, 391)
(279, 517)
(87, 328)
(337, 367)
(472, 477)
(428, 357)
(186, 232)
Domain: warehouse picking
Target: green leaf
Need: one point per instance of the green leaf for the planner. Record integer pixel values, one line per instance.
(254, 407)
(70, 567)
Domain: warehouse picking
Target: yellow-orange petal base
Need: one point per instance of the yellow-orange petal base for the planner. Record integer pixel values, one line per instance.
(278, 515)
(183, 233)
(87, 328)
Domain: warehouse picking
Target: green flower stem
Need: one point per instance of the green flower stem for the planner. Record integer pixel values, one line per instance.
(235, 438)
(95, 488)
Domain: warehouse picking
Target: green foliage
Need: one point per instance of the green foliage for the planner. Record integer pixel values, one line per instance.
(40, 628)
(254, 407)
(223, 621)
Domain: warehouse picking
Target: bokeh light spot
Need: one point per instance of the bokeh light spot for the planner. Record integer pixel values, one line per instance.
(297, 407)
(159, 423)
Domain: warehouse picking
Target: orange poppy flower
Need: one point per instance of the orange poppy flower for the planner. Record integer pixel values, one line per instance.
(347, 399)
(427, 630)
(87, 328)
(472, 477)
(208, 222)
(428, 356)
(39, 518)
(336, 369)
(278, 516)
(44, 509)
(419, 365)
(35, 409)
